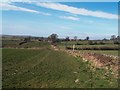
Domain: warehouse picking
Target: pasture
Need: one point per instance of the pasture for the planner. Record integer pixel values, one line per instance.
(39, 68)
(93, 48)
(32, 44)
(107, 52)
(48, 69)
(37, 65)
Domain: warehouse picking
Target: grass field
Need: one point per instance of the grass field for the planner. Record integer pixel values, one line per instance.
(32, 44)
(83, 42)
(108, 52)
(47, 68)
(108, 44)
(86, 42)
(89, 46)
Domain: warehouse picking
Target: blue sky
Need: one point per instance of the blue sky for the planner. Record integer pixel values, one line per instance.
(81, 19)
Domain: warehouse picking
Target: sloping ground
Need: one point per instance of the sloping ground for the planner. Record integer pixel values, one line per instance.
(109, 63)
(102, 58)
(46, 68)
(106, 52)
(31, 44)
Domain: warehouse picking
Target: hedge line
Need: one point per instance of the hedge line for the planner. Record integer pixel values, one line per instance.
(95, 48)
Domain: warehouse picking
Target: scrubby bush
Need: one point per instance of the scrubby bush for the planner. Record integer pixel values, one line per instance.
(101, 42)
(78, 43)
(95, 48)
(91, 43)
(116, 42)
(95, 43)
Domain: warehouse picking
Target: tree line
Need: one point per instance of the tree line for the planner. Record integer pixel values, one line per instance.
(53, 38)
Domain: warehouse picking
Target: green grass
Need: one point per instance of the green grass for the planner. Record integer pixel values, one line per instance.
(35, 44)
(10, 43)
(89, 46)
(84, 42)
(108, 52)
(46, 68)
(32, 44)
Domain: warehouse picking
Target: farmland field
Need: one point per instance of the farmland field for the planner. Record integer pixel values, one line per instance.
(107, 52)
(108, 44)
(39, 68)
(38, 65)
(15, 44)
(46, 68)
(84, 42)
(59, 45)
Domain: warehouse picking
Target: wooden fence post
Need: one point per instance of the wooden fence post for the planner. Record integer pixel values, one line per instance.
(73, 48)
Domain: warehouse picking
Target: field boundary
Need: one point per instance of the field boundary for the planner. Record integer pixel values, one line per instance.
(107, 62)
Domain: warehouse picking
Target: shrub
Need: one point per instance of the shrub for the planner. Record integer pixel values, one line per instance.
(90, 43)
(78, 43)
(95, 48)
(95, 43)
(116, 42)
(101, 42)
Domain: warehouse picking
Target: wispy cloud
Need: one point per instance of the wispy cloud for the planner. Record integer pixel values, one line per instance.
(61, 7)
(70, 18)
(6, 6)
(79, 11)
(10, 1)
(9, 6)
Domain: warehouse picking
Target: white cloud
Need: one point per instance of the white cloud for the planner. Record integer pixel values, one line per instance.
(69, 18)
(62, 7)
(8, 6)
(9, 1)
(79, 11)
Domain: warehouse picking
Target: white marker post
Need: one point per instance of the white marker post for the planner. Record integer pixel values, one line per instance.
(73, 48)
